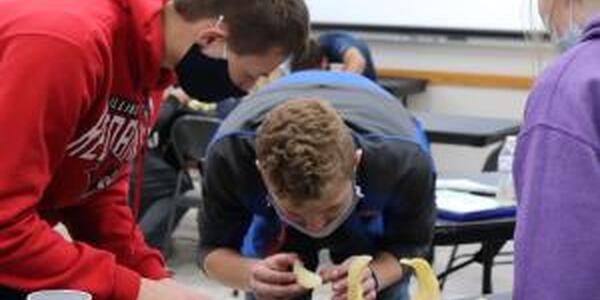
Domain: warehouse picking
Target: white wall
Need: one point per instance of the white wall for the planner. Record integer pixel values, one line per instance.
(478, 56)
(488, 15)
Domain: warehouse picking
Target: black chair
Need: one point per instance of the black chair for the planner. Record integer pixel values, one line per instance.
(190, 136)
(491, 162)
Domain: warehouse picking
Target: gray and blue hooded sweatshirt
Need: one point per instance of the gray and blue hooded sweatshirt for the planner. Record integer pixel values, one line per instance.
(396, 176)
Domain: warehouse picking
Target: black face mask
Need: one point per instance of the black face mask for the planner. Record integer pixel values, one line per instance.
(206, 78)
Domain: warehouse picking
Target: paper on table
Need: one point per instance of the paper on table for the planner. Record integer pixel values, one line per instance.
(466, 185)
(461, 202)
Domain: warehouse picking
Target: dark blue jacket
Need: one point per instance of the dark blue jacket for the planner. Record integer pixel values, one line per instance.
(396, 175)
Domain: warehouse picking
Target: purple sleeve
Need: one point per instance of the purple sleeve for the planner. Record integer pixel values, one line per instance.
(557, 241)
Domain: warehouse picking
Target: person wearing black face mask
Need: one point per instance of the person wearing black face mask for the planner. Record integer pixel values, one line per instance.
(221, 62)
(201, 77)
(205, 78)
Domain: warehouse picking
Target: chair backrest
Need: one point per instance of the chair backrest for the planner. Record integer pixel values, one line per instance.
(191, 135)
(491, 162)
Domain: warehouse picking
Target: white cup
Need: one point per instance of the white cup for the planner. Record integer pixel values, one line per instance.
(59, 295)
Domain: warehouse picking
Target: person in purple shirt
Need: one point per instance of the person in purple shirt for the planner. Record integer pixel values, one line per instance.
(557, 164)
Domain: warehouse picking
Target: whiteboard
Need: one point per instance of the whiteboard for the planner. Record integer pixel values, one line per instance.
(517, 16)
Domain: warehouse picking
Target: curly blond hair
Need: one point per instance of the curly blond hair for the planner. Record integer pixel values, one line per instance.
(304, 147)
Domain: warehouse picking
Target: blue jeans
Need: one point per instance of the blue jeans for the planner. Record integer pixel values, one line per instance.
(397, 291)
(158, 188)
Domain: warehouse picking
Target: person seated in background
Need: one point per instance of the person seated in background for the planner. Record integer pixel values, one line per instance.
(336, 47)
(352, 52)
(557, 164)
(317, 160)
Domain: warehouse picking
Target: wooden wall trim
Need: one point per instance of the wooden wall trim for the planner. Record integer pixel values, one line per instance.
(461, 79)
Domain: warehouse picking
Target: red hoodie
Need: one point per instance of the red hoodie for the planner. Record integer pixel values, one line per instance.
(75, 84)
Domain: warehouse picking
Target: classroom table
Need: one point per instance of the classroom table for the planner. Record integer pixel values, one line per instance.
(466, 130)
(499, 296)
(403, 87)
(492, 234)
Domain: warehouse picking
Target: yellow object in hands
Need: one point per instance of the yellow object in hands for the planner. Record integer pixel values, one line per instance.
(306, 278)
(429, 288)
(194, 104)
(357, 265)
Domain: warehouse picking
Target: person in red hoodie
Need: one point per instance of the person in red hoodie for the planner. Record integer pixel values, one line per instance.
(79, 89)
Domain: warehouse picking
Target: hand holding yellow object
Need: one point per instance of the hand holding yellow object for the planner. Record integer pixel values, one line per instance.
(355, 271)
(272, 278)
(351, 279)
(429, 288)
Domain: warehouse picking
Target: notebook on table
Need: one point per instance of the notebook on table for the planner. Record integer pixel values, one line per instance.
(464, 206)
(466, 185)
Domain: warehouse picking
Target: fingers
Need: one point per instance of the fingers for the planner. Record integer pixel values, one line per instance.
(275, 269)
(340, 287)
(372, 295)
(272, 278)
(334, 273)
(281, 261)
(369, 286)
(268, 275)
